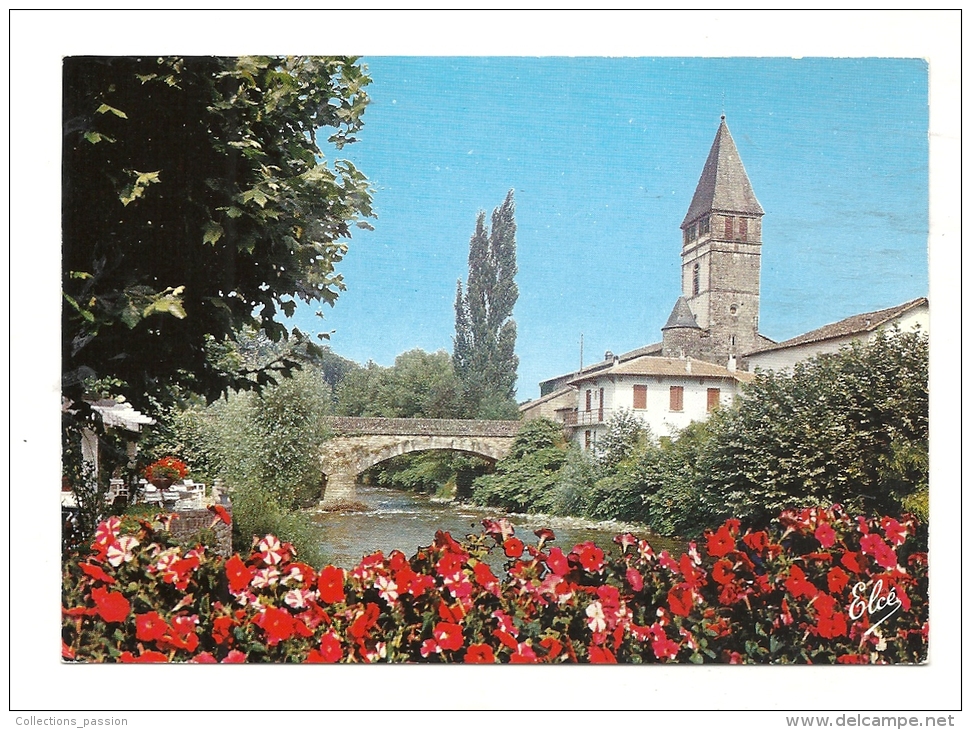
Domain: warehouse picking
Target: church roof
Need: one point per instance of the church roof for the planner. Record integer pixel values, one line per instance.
(681, 316)
(856, 325)
(724, 185)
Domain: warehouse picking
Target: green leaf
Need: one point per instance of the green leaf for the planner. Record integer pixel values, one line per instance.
(212, 233)
(117, 112)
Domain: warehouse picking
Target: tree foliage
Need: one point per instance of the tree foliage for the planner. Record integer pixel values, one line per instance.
(848, 428)
(525, 480)
(196, 203)
(485, 332)
(419, 385)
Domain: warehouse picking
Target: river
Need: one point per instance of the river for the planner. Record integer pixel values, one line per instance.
(405, 521)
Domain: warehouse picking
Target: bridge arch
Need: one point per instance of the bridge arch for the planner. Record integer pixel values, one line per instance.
(359, 443)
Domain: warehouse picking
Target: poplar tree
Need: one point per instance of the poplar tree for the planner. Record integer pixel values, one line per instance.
(485, 332)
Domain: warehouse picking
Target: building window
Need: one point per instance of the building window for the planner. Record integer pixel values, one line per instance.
(714, 398)
(704, 226)
(742, 229)
(729, 227)
(677, 398)
(589, 396)
(640, 397)
(696, 280)
(586, 440)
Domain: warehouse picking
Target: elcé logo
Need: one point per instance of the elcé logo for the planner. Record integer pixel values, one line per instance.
(876, 602)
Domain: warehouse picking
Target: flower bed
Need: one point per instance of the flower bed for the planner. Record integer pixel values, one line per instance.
(818, 587)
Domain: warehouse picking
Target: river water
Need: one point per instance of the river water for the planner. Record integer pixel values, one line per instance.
(405, 521)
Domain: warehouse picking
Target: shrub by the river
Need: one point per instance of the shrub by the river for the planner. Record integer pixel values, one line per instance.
(818, 586)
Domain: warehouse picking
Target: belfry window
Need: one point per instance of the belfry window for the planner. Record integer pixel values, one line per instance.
(742, 229)
(729, 227)
(696, 280)
(704, 226)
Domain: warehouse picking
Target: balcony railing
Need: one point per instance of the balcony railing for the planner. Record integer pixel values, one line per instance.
(584, 418)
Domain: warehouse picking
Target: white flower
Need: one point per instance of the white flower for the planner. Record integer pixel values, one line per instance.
(387, 589)
(596, 621)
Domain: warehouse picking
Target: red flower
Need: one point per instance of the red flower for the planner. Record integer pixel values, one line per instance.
(238, 574)
(330, 584)
(826, 535)
(837, 580)
(728, 595)
(203, 657)
(97, 573)
(851, 561)
(277, 624)
(692, 576)
(506, 639)
(448, 636)
(221, 514)
(681, 599)
(145, 657)
(853, 659)
(150, 626)
(365, 621)
(221, 629)
(486, 578)
(591, 557)
(635, 579)
(797, 584)
(513, 547)
(557, 562)
(601, 655)
(479, 654)
(111, 605)
(756, 541)
(722, 572)
(553, 647)
(720, 543)
(330, 650)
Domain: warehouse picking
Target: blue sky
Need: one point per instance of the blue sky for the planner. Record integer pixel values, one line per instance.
(604, 155)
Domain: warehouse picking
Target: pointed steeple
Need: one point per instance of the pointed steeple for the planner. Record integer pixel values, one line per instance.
(724, 185)
(681, 316)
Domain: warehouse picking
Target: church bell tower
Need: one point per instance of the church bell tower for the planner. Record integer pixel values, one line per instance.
(721, 255)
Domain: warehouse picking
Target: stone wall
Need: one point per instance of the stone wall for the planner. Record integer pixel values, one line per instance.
(352, 426)
(189, 522)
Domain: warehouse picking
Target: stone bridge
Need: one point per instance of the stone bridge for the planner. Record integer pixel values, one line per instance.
(359, 443)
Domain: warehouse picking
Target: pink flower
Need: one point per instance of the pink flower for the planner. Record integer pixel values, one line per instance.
(826, 535)
(271, 551)
(873, 545)
(635, 579)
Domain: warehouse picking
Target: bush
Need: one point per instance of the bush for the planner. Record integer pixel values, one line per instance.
(525, 481)
(795, 593)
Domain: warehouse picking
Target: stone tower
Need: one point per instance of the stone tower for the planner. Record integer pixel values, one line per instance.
(721, 256)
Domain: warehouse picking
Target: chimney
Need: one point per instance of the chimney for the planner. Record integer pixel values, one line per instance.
(731, 364)
(687, 366)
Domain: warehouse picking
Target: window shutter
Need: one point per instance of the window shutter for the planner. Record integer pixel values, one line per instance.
(640, 397)
(714, 398)
(677, 398)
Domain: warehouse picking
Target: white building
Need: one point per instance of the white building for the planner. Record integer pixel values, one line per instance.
(665, 393)
(908, 317)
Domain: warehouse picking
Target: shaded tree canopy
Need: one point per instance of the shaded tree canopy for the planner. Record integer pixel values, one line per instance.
(419, 385)
(485, 332)
(196, 202)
